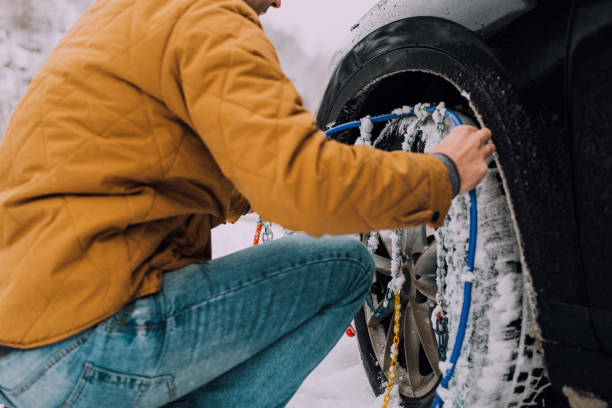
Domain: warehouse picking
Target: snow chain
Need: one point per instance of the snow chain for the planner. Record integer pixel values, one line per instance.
(365, 138)
(395, 286)
(393, 368)
(267, 232)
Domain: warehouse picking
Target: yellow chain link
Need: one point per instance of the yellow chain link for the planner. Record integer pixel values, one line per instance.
(393, 369)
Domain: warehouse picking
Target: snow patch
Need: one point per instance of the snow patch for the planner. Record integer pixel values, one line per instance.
(404, 110)
(365, 132)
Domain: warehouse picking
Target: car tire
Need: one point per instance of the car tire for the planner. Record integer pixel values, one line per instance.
(500, 365)
(431, 59)
(375, 375)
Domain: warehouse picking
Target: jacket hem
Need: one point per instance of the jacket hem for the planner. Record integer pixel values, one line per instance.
(146, 291)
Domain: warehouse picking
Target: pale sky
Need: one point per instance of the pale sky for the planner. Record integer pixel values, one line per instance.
(322, 24)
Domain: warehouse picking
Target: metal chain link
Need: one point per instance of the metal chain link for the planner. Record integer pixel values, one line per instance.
(396, 256)
(393, 368)
(373, 241)
(396, 263)
(440, 313)
(442, 335)
(374, 238)
(382, 309)
(267, 235)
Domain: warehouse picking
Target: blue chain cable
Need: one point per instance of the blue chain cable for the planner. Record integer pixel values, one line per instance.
(390, 116)
(383, 309)
(467, 288)
(467, 296)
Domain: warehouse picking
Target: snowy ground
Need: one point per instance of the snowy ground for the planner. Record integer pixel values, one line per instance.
(339, 381)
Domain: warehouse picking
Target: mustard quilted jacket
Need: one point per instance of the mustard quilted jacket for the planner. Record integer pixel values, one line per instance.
(144, 129)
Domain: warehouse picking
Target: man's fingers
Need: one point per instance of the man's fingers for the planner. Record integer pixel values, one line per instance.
(484, 135)
(488, 149)
(468, 128)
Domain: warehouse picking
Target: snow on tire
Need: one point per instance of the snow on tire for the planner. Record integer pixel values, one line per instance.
(499, 364)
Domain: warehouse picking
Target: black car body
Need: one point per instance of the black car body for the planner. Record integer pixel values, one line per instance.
(540, 75)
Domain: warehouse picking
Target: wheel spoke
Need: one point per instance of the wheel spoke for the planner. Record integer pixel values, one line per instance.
(382, 264)
(375, 321)
(427, 265)
(417, 338)
(425, 272)
(387, 352)
(420, 313)
(385, 237)
(412, 345)
(427, 287)
(414, 241)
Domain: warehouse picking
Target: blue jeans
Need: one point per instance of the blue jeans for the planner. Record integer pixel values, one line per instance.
(240, 331)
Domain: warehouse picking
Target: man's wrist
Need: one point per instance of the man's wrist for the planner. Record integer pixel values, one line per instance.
(453, 173)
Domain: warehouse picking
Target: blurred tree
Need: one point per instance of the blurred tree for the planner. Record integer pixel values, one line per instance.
(308, 72)
(29, 30)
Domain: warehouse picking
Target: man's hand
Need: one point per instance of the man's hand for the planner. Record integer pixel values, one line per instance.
(469, 148)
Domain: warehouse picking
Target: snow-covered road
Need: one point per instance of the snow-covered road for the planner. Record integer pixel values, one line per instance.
(339, 381)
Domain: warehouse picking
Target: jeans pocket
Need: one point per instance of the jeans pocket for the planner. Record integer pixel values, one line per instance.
(98, 387)
(23, 370)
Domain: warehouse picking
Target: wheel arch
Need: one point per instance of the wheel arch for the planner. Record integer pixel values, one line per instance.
(530, 169)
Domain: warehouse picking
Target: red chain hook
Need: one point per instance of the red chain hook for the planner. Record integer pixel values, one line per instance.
(257, 234)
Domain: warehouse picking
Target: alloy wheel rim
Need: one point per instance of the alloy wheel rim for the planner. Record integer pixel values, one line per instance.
(418, 372)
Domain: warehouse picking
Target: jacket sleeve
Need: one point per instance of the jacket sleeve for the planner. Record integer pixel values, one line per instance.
(235, 96)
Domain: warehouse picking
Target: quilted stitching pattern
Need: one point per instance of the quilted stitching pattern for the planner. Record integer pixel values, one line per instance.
(118, 162)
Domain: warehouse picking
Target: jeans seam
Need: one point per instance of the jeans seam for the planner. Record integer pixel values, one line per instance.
(170, 384)
(89, 371)
(117, 327)
(142, 379)
(253, 282)
(168, 381)
(141, 393)
(171, 389)
(58, 356)
(75, 393)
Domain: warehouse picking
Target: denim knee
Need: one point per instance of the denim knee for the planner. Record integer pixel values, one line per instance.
(351, 248)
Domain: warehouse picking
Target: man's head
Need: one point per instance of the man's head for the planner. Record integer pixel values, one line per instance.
(261, 6)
